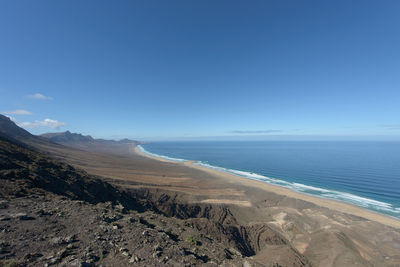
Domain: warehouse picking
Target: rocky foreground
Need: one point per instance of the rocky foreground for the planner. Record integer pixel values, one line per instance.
(53, 230)
(54, 214)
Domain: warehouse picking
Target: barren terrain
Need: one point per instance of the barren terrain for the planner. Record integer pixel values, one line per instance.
(196, 216)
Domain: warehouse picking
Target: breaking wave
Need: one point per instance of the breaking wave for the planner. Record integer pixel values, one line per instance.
(160, 156)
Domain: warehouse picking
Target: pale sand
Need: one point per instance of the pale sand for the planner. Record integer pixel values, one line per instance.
(327, 203)
(227, 201)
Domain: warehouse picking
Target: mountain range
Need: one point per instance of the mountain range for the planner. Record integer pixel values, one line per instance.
(88, 143)
(11, 131)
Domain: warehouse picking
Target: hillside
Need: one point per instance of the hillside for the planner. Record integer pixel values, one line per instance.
(9, 130)
(71, 218)
(89, 143)
(148, 212)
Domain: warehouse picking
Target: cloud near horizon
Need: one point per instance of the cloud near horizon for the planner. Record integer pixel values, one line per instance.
(18, 112)
(39, 96)
(54, 124)
(391, 126)
(256, 132)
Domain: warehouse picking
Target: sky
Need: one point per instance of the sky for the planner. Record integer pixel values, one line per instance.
(160, 70)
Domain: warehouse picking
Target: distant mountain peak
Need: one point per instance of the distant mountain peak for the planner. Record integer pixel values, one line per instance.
(67, 136)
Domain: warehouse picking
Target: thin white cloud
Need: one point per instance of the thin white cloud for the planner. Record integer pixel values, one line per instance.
(18, 112)
(256, 132)
(391, 126)
(39, 96)
(54, 124)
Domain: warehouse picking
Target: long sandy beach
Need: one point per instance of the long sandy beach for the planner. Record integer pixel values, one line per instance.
(327, 203)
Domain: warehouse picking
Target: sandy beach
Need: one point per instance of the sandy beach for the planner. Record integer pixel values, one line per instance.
(327, 203)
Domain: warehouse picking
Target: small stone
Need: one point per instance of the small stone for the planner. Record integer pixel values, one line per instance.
(120, 208)
(69, 239)
(54, 260)
(86, 264)
(183, 252)
(32, 256)
(115, 227)
(92, 257)
(125, 253)
(22, 216)
(157, 254)
(96, 218)
(43, 212)
(56, 240)
(62, 254)
(110, 219)
(165, 259)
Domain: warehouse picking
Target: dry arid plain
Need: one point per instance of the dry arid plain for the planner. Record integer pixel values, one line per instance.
(213, 218)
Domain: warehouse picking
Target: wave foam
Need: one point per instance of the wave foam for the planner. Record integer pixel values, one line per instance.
(315, 191)
(160, 156)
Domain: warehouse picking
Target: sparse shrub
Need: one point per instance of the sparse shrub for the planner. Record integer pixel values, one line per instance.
(193, 241)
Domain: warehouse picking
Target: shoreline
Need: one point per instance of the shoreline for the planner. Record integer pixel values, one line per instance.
(331, 204)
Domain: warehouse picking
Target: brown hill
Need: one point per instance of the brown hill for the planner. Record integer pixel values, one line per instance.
(77, 219)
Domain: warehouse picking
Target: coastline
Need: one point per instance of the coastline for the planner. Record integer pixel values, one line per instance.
(331, 204)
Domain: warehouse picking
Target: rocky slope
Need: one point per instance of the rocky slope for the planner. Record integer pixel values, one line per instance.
(54, 214)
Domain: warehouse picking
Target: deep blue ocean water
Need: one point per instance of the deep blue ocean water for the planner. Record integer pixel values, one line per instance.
(363, 173)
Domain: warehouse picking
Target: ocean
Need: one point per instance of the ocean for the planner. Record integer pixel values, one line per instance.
(364, 173)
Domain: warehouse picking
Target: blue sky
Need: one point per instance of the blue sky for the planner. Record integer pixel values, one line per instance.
(188, 69)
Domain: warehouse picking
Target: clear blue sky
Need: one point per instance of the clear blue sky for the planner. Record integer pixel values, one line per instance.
(171, 69)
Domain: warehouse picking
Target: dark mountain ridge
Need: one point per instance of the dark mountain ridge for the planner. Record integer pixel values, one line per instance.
(88, 143)
(47, 142)
(9, 130)
(67, 137)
